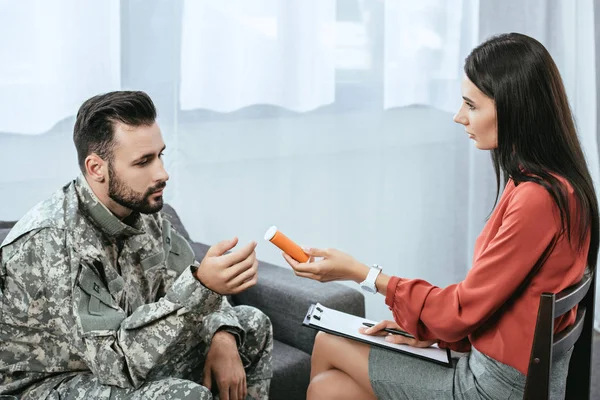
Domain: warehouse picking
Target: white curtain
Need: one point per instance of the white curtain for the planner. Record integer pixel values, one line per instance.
(238, 53)
(55, 54)
(330, 119)
(425, 45)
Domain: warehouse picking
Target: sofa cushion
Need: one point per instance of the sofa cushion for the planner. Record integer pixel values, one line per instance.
(3, 234)
(285, 298)
(172, 216)
(291, 373)
(7, 224)
(200, 250)
(5, 227)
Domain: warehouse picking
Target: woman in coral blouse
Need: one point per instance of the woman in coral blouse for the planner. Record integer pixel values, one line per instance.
(539, 238)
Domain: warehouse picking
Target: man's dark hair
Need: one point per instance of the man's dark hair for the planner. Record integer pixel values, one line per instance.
(96, 118)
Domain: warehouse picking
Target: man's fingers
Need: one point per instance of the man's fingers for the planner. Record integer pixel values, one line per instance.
(245, 276)
(235, 270)
(223, 389)
(220, 248)
(244, 387)
(246, 285)
(240, 392)
(239, 255)
(207, 380)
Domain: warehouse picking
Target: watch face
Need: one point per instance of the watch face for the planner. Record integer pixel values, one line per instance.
(367, 288)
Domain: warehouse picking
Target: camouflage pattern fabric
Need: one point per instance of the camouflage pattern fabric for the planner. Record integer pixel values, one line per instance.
(95, 307)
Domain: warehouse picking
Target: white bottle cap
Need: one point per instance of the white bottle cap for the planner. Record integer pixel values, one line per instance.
(270, 232)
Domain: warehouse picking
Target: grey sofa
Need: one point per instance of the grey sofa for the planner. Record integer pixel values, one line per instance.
(285, 298)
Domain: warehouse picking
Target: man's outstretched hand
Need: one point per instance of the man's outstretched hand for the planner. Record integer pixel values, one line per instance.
(230, 273)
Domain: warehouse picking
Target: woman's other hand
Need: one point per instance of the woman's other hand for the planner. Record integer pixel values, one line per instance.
(378, 330)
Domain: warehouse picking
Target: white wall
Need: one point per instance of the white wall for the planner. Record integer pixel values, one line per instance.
(358, 181)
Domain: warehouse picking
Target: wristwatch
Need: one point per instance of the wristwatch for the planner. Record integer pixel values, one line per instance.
(368, 285)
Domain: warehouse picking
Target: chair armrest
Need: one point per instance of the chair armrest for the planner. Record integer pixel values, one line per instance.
(285, 298)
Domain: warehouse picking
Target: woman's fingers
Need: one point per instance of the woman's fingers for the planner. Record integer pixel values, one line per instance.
(306, 275)
(366, 331)
(399, 339)
(290, 260)
(310, 252)
(309, 267)
(300, 269)
(378, 327)
(316, 252)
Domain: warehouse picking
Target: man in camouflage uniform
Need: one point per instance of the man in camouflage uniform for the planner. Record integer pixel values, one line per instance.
(100, 298)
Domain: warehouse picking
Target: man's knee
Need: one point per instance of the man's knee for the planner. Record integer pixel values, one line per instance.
(86, 385)
(256, 353)
(257, 325)
(173, 389)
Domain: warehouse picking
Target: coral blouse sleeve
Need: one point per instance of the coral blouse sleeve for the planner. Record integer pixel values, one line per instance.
(529, 224)
(463, 345)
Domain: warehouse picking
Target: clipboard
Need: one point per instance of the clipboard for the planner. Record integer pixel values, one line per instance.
(345, 325)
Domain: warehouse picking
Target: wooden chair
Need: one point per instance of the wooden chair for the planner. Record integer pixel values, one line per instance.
(546, 345)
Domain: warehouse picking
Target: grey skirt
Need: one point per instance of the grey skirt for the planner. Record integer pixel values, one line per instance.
(473, 376)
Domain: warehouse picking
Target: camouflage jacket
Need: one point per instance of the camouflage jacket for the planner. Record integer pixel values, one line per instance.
(82, 291)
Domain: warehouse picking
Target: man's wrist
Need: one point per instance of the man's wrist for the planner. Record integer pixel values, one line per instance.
(196, 272)
(195, 269)
(224, 336)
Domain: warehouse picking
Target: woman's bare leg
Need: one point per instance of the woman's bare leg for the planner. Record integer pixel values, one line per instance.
(334, 384)
(340, 369)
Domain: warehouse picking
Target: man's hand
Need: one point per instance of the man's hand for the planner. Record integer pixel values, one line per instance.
(224, 366)
(378, 330)
(229, 273)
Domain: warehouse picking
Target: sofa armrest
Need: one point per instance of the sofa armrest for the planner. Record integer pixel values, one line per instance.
(285, 298)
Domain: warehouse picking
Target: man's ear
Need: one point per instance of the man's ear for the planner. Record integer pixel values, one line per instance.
(96, 168)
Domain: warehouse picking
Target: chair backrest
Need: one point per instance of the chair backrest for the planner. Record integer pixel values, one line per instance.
(547, 346)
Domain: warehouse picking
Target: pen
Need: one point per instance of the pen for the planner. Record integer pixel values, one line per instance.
(392, 331)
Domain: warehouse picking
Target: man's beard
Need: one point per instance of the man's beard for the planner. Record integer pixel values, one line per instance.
(125, 196)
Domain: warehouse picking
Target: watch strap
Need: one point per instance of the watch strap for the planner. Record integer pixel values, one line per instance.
(372, 275)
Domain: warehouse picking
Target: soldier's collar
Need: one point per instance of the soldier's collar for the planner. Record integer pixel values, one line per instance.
(100, 214)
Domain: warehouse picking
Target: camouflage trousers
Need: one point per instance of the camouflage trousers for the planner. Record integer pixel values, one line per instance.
(180, 377)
